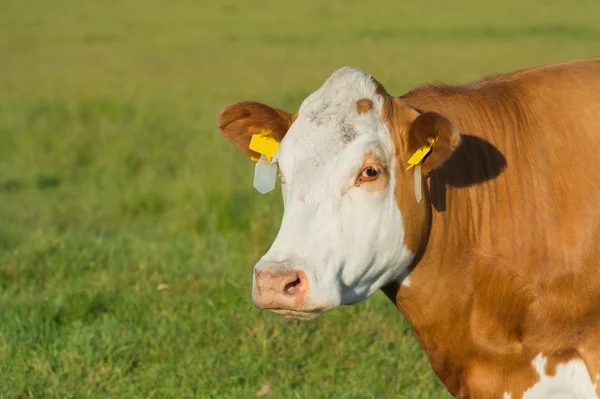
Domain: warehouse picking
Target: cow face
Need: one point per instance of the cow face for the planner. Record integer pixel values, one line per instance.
(351, 223)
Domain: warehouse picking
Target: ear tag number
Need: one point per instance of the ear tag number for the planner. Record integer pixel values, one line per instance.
(265, 171)
(418, 156)
(418, 179)
(265, 174)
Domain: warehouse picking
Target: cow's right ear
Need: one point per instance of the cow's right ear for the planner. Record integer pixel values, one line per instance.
(239, 121)
(433, 126)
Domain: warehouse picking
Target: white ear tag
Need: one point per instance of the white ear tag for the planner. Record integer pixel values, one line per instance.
(265, 174)
(418, 179)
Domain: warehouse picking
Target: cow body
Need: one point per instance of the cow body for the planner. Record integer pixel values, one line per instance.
(497, 269)
(510, 272)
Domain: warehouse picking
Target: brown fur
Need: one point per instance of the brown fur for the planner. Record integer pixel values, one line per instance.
(363, 106)
(508, 265)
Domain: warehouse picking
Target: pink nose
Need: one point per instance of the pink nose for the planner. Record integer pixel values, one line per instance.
(282, 290)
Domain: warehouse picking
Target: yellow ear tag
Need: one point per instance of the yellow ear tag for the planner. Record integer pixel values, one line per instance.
(418, 156)
(263, 144)
(265, 171)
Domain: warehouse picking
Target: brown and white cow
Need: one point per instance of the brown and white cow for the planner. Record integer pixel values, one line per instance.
(497, 268)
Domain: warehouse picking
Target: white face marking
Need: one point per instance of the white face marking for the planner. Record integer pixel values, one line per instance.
(349, 241)
(571, 381)
(406, 282)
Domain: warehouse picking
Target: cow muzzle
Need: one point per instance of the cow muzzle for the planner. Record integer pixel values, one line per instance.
(283, 292)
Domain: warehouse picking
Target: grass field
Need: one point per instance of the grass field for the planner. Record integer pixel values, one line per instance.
(128, 227)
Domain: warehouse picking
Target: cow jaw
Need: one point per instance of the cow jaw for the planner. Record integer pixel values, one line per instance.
(342, 234)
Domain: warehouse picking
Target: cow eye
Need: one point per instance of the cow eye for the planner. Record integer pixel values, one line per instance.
(370, 172)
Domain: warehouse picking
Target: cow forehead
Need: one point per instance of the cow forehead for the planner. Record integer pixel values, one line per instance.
(345, 108)
(344, 88)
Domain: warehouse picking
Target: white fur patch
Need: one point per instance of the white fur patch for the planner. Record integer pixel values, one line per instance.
(348, 241)
(571, 381)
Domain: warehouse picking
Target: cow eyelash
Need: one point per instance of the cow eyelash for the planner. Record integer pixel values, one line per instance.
(368, 174)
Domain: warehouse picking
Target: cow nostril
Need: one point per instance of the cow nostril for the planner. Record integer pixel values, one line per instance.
(291, 288)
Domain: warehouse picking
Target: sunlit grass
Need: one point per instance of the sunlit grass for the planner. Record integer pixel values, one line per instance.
(128, 227)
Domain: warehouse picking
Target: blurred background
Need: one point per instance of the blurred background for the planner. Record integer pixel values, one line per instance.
(129, 227)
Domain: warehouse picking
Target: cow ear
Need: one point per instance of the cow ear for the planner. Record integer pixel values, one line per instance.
(428, 127)
(239, 121)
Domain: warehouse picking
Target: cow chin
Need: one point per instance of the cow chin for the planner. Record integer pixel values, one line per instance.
(297, 314)
(294, 311)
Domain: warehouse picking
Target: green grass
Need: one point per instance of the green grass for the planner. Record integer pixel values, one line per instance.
(114, 182)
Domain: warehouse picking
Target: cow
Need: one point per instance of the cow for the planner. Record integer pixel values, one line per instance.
(488, 244)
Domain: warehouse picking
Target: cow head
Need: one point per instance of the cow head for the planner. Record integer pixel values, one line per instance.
(351, 223)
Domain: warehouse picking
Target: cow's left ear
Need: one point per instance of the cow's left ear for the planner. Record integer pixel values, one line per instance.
(239, 121)
(428, 127)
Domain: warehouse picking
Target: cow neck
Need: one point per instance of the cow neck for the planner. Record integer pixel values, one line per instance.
(436, 296)
(460, 200)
